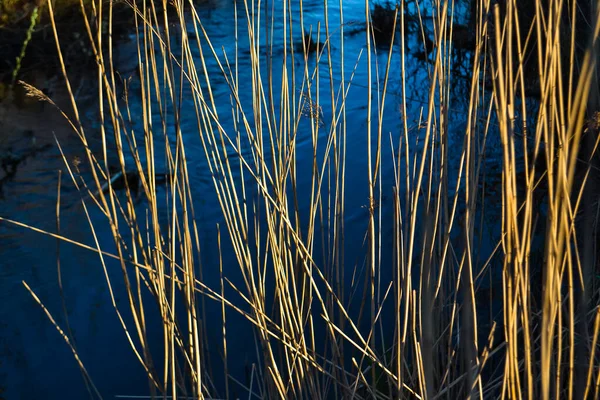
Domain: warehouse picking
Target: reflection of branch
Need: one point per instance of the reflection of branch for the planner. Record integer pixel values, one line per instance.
(10, 161)
(130, 180)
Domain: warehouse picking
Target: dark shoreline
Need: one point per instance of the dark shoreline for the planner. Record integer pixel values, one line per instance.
(40, 62)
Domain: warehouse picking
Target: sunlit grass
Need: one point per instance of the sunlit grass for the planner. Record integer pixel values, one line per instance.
(417, 334)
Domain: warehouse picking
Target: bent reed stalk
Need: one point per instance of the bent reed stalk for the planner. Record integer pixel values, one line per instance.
(409, 323)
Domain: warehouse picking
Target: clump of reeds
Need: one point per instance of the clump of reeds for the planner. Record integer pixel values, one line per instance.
(433, 343)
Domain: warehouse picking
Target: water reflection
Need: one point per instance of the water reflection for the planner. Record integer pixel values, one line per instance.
(36, 362)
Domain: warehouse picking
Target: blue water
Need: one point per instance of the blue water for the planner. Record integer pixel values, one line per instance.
(35, 362)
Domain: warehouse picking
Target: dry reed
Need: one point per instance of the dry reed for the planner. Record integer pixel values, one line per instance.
(418, 334)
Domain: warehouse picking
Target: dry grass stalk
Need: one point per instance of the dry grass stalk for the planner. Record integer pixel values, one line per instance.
(310, 341)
